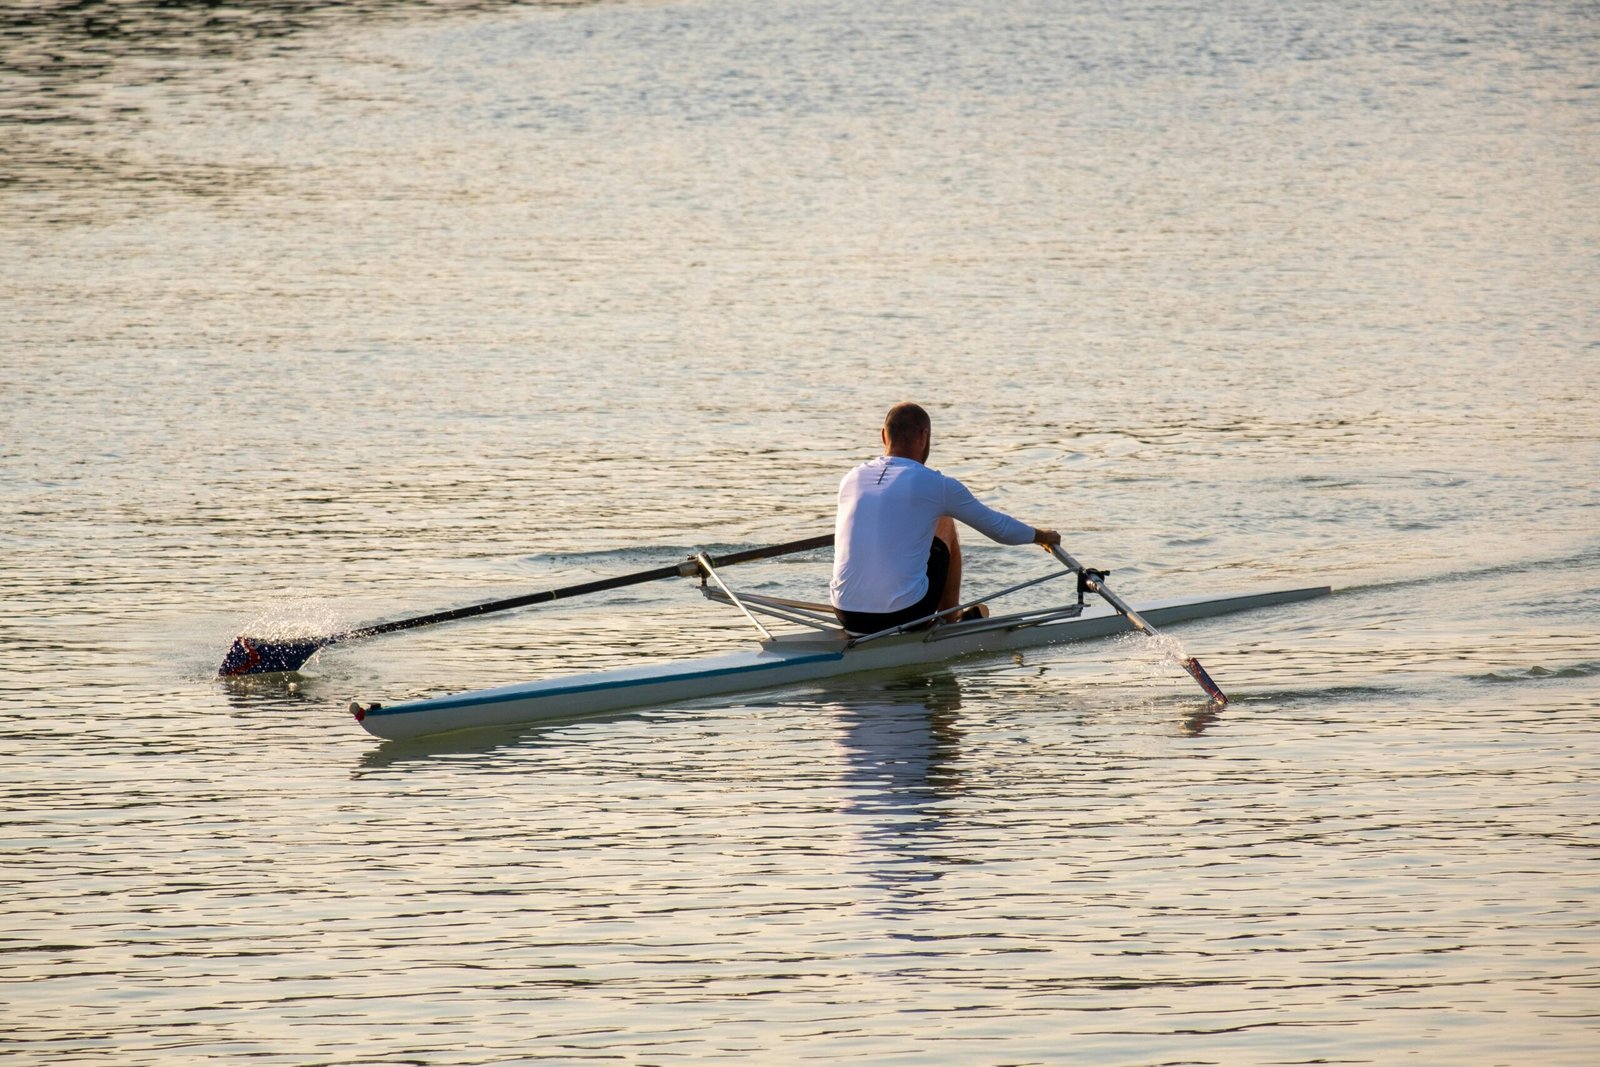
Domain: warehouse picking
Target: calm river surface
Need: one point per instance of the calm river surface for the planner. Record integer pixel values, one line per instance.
(316, 315)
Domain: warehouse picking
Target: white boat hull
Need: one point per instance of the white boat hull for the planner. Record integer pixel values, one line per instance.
(784, 661)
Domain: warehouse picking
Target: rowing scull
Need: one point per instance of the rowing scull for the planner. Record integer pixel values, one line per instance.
(787, 660)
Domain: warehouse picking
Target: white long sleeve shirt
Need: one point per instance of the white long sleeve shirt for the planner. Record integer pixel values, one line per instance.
(888, 508)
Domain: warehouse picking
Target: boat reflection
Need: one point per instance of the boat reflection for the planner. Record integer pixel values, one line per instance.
(488, 742)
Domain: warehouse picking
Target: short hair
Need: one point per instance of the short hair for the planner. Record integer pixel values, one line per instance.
(905, 422)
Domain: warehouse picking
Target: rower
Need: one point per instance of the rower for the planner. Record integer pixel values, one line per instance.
(896, 555)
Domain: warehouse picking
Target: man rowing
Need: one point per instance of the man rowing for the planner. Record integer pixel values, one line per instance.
(896, 556)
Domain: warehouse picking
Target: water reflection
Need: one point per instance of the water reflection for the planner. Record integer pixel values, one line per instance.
(75, 72)
(489, 742)
(901, 749)
(270, 690)
(56, 47)
(1198, 721)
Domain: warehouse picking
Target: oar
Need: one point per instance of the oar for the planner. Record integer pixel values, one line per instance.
(1094, 582)
(254, 655)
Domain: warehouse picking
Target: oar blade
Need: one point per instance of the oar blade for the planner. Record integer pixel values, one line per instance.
(256, 655)
(1192, 665)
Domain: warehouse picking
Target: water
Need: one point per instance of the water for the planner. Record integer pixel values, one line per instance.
(317, 316)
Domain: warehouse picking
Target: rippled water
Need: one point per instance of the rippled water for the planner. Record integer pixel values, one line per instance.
(314, 316)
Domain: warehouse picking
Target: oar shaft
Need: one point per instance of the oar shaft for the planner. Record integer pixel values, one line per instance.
(1094, 585)
(509, 603)
(249, 656)
(686, 569)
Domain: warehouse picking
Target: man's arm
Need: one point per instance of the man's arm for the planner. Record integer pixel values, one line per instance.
(960, 504)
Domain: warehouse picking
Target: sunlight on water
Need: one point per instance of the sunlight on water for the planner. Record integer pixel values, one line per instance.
(318, 315)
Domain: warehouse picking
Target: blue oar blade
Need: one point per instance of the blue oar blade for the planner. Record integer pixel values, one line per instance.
(260, 656)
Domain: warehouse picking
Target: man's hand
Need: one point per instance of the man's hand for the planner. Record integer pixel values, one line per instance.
(1046, 537)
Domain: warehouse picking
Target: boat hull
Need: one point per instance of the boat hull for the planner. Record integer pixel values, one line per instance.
(780, 663)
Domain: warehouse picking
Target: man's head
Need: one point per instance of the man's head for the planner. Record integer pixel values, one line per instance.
(907, 432)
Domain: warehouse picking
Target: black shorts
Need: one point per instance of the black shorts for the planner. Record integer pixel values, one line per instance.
(871, 622)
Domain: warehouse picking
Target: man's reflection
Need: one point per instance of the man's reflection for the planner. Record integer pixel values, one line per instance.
(901, 764)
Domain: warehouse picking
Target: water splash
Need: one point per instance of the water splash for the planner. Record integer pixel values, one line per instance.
(295, 618)
(1154, 656)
